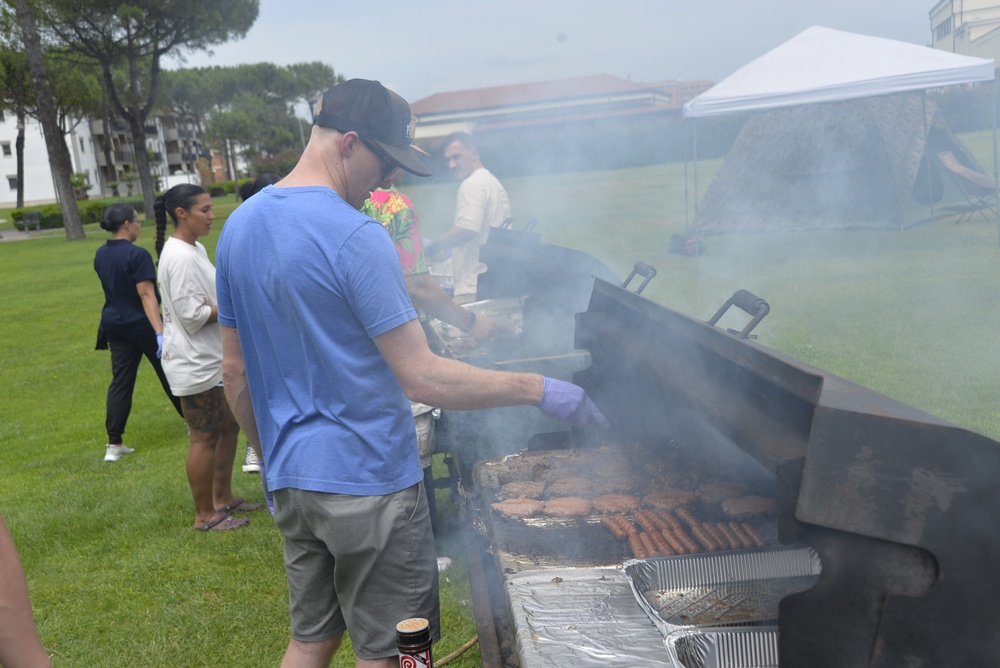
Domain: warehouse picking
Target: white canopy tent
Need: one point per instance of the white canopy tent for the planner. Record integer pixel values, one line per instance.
(826, 65)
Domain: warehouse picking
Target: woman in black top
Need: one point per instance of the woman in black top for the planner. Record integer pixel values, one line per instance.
(130, 321)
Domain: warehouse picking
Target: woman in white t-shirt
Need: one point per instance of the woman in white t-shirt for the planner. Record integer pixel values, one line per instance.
(192, 355)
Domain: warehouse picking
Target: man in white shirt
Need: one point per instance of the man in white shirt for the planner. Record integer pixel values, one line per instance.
(482, 204)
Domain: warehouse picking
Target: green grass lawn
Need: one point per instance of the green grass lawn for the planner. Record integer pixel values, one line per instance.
(118, 578)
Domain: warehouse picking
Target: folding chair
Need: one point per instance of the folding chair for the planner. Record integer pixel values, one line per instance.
(980, 190)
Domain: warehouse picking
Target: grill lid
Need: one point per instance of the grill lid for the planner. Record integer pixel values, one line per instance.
(898, 503)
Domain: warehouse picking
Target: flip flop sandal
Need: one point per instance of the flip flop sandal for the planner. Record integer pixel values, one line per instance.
(223, 522)
(240, 506)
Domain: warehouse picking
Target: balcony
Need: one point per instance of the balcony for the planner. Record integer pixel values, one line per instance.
(118, 158)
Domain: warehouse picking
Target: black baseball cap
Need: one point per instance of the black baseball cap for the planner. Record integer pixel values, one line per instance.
(378, 116)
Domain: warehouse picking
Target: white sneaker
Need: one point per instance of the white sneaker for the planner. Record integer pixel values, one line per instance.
(250, 463)
(114, 452)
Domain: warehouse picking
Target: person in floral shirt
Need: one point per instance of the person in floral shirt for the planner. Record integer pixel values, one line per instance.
(395, 211)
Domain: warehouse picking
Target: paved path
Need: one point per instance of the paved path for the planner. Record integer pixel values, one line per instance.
(17, 235)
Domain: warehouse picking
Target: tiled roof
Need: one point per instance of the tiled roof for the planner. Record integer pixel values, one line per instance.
(543, 91)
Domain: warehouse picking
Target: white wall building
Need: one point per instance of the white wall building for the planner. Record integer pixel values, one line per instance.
(968, 27)
(39, 187)
(173, 147)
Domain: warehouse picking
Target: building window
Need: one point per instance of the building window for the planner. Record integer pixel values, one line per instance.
(943, 29)
(1, 116)
(12, 182)
(5, 147)
(83, 147)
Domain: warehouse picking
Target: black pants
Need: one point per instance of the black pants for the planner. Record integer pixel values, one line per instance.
(128, 345)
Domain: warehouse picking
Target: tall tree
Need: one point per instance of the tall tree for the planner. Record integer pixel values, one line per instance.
(77, 93)
(16, 94)
(313, 80)
(133, 36)
(59, 160)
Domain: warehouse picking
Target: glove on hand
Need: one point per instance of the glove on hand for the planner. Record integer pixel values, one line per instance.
(569, 403)
(159, 344)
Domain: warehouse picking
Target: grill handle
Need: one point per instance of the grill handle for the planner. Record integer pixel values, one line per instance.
(646, 270)
(751, 304)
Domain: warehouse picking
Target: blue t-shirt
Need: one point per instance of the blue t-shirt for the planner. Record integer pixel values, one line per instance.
(307, 281)
(121, 265)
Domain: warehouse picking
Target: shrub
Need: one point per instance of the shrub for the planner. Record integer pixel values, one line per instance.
(91, 211)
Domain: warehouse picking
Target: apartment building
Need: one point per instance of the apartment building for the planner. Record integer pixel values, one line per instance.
(104, 150)
(968, 27)
(39, 187)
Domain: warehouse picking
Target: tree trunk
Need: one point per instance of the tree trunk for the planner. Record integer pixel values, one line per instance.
(106, 146)
(59, 160)
(142, 164)
(19, 148)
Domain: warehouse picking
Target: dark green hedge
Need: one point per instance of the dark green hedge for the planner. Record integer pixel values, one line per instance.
(91, 211)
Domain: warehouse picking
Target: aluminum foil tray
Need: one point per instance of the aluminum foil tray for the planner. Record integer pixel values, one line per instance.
(751, 647)
(723, 588)
(581, 617)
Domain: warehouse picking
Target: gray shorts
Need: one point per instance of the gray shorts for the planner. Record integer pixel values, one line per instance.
(360, 564)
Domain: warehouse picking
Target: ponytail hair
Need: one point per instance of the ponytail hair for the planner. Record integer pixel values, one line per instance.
(184, 196)
(115, 216)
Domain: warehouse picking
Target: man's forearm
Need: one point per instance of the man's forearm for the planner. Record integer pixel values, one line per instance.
(446, 383)
(453, 236)
(237, 387)
(458, 386)
(19, 642)
(428, 295)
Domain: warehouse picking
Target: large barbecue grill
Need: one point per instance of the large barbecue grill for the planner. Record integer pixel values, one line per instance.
(894, 503)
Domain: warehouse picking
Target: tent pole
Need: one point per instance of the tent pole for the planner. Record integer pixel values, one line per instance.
(930, 187)
(695, 130)
(686, 228)
(996, 169)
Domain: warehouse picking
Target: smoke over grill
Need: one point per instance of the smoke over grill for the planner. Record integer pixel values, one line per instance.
(895, 503)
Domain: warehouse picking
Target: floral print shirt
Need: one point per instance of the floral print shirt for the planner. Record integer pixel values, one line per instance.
(395, 211)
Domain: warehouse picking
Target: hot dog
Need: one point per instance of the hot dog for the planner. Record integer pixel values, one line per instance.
(689, 543)
(636, 546)
(745, 539)
(734, 542)
(703, 537)
(647, 544)
(612, 526)
(710, 529)
(676, 545)
(754, 536)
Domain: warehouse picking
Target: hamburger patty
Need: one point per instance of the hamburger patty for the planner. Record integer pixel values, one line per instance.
(567, 506)
(523, 489)
(518, 508)
(616, 503)
(668, 499)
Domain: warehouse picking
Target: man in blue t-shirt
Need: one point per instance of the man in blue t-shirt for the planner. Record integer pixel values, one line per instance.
(322, 348)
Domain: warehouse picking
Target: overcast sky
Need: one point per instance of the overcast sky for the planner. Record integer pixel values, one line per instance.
(433, 46)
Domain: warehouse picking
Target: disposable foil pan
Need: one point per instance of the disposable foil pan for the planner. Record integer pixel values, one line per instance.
(720, 589)
(748, 647)
(581, 617)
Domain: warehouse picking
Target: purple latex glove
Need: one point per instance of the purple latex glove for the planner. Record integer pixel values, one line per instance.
(567, 402)
(159, 344)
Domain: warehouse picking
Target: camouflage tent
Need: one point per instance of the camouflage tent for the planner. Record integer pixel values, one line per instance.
(870, 162)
